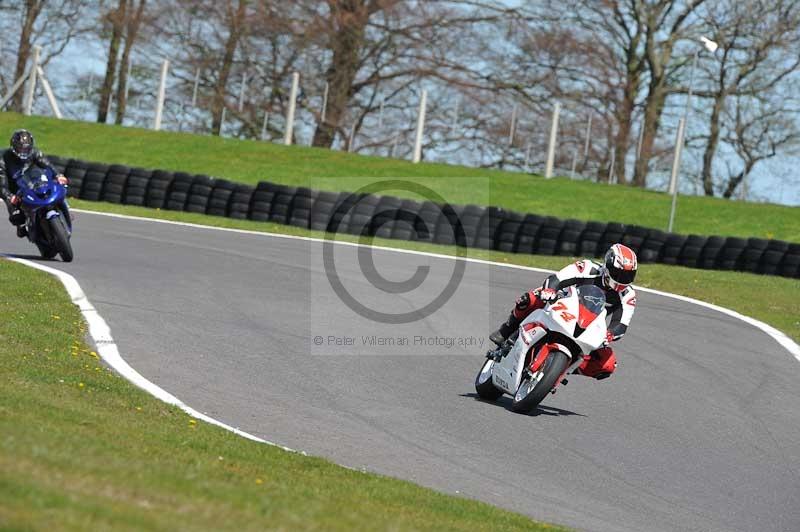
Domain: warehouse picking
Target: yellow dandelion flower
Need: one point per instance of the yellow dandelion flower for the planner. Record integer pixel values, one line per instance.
(259, 481)
(139, 408)
(80, 385)
(56, 317)
(192, 422)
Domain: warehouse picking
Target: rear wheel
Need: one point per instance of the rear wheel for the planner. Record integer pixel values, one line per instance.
(534, 388)
(483, 382)
(58, 230)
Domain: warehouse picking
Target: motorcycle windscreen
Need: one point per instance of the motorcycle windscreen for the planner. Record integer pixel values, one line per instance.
(591, 302)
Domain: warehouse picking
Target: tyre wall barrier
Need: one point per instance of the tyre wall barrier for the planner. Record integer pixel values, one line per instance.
(368, 215)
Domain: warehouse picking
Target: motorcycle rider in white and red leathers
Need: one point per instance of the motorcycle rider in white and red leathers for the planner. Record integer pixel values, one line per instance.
(614, 276)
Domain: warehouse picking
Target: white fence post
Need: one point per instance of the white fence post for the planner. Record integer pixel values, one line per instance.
(27, 105)
(162, 88)
(196, 87)
(574, 163)
(423, 102)
(264, 126)
(128, 79)
(512, 130)
(15, 88)
(222, 119)
(352, 138)
(528, 157)
(48, 91)
(676, 164)
(551, 147)
(287, 138)
(588, 137)
(456, 110)
(242, 90)
(324, 103)
(611, 166)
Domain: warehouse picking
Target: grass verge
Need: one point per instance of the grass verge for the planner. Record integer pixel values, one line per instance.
(83, 449)
(251, 161)
(770, 299)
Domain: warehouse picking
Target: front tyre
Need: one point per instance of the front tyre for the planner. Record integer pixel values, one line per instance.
(58, 230)
(483, 382)
(532, 391)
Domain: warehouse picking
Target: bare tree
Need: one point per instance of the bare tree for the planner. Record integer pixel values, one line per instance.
(666, 22)
(135, 12)
(115, 18)
(757, 56)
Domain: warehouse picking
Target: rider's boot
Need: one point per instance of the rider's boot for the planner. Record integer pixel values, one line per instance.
(505, 330)
(22, 231)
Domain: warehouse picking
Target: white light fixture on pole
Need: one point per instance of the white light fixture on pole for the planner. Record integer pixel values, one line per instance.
(711, 46)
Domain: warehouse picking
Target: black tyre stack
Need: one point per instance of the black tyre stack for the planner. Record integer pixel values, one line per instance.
(136, 187)
(76, 173)
(114, 187)
(199, 194)
(92, 188)
(220, 198)
(390, 217)
(156, 196)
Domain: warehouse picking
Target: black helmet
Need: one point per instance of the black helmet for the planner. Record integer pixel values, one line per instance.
(22, 144)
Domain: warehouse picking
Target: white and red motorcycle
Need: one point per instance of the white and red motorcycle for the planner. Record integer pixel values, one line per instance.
(551, 343)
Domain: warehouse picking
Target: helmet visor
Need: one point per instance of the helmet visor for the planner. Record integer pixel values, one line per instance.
(622, 276)
(23, 149)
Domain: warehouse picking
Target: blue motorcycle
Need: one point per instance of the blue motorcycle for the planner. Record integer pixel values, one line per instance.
(44, 202)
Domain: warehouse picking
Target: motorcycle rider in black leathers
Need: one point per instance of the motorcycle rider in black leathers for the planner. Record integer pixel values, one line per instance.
(20, 156)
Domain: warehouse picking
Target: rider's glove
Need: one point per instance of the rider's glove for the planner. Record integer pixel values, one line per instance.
(524, 301)
(62, 179)
(609, 339)
(548, 295)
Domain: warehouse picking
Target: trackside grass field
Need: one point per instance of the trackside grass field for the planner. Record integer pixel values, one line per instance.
(82, 449)
(252, 161)
(770, 299)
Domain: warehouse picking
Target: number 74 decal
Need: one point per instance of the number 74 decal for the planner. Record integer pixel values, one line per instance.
(566, 316)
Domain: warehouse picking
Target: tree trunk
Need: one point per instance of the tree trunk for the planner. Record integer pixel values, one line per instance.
(350, 20)
(624, 118)
(32, 10)
(117, 19)
(654, 106)
(132, 31)
(711, 147)
(217, 106)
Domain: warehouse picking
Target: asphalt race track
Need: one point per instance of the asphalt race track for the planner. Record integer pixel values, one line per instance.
(699, 429)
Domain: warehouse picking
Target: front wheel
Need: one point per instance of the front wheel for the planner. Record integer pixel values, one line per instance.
(483, 382)
(58, 230)
(534, 388)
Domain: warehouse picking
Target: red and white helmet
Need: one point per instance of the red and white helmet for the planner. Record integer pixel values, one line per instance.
(619, 267)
